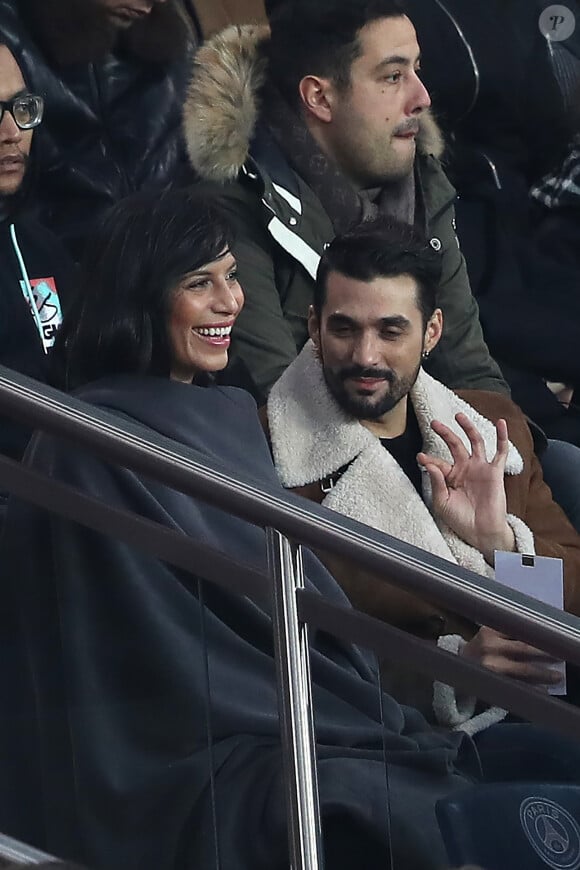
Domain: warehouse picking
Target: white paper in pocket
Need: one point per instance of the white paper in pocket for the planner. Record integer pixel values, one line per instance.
(541, 577)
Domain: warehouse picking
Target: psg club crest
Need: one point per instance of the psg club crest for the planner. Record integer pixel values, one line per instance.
(552, 832)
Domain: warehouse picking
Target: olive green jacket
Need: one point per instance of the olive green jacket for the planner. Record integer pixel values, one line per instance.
(282, 229)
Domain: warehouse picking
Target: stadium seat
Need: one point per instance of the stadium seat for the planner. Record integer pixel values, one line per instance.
(524, 826)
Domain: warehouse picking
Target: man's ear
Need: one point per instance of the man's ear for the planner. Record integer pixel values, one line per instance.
(316, 97)
(314, 327)
(433, 331)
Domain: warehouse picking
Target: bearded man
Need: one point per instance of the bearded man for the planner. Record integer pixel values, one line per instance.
(356, 424)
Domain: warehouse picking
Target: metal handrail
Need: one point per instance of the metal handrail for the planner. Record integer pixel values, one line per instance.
(295, 608)
(473, 596)
(20, 853)
(342, 621)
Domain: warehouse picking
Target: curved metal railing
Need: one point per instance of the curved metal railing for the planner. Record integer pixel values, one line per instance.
(289, 522)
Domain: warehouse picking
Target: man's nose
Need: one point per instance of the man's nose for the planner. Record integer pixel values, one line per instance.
(10, 132)
(419, 99)
(366, 352)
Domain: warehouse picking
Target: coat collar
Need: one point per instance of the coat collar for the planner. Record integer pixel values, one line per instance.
(222, 107)
(312, 436)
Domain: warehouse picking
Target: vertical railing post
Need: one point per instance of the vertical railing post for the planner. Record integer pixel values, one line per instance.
(295, 704)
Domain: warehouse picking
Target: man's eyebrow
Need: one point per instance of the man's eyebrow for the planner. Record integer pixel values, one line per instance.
(21, 93)
(337, 317)
(397, 320)
(397, 59)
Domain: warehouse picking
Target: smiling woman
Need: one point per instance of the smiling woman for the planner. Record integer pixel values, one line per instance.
(119, 661)
(159, 295)
(204, 307)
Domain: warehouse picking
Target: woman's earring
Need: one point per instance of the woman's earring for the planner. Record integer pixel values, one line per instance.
(425, 354)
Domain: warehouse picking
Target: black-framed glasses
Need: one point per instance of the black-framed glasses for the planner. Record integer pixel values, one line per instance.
(27, 110)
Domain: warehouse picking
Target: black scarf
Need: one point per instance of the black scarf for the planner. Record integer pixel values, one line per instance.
(344, 205)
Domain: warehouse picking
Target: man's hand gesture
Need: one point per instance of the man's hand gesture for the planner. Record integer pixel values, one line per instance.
(469, 494)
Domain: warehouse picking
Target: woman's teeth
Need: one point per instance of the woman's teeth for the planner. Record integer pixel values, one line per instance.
(219, 331)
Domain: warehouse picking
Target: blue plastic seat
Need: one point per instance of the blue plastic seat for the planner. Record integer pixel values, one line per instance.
(525, 826)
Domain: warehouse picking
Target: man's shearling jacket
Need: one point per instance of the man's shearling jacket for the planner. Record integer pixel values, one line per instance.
(282, 228)
(312, 438)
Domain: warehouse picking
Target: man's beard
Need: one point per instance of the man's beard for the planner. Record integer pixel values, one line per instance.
(367, 407)
(369, 159)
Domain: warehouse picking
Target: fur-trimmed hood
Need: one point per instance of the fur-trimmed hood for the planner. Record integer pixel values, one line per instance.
(222, 104)
(312, 437)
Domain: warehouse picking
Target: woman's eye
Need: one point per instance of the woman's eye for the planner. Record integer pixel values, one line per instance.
(200, 284)
(233, 275)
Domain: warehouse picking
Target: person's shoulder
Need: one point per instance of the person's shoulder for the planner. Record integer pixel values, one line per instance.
(237, 396)
(40, 242)
(491, 404)
(237, 197)
(28, 225)
(495, 406)
(434, 181)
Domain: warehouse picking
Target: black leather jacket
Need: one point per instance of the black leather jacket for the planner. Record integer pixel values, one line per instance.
(109, 128)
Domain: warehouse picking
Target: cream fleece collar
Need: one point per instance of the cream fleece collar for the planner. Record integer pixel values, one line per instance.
(312, 438)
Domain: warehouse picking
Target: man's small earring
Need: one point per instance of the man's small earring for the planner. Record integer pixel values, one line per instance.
(425, 354)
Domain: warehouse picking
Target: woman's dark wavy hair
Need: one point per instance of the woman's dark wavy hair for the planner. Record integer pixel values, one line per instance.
(382, 248)
(140, 251)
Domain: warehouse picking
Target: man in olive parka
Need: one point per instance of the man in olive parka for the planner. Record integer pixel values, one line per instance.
(308, 128)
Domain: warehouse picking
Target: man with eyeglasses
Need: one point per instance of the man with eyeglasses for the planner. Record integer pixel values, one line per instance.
(113, 74)
(35, 270)
(26, 111)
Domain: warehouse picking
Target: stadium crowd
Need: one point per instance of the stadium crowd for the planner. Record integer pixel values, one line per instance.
(238, 227)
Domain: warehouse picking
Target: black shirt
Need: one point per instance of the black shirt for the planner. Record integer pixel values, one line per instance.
(404, 449)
